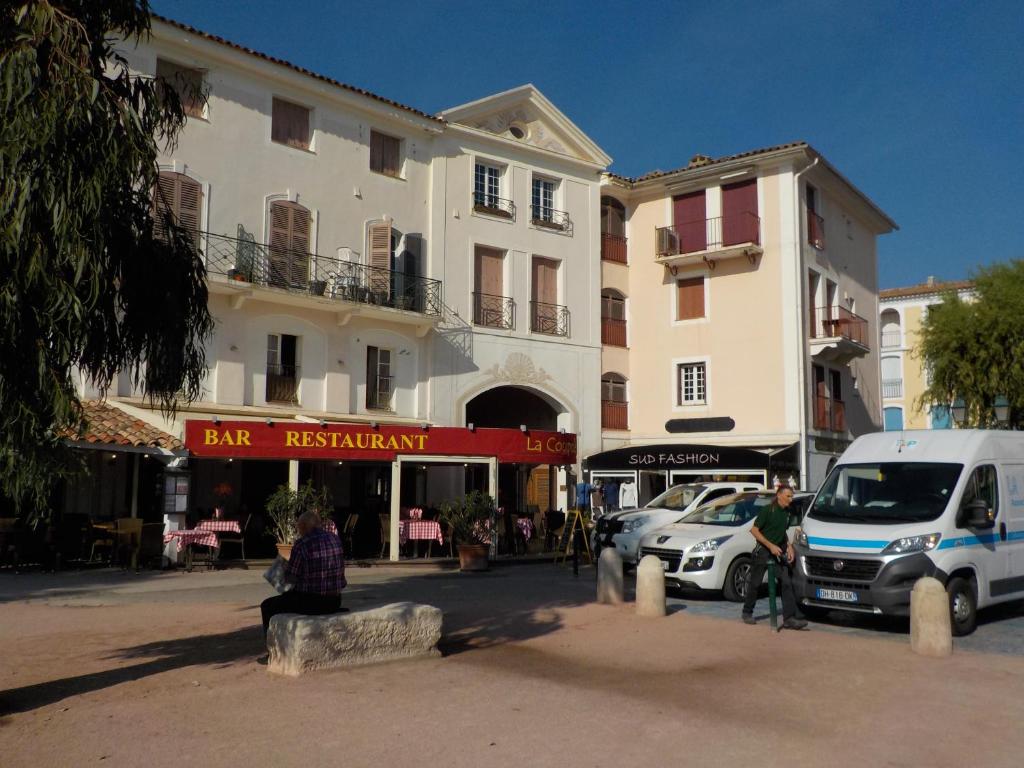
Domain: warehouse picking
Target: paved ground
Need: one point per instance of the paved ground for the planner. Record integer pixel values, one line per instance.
(158, 669)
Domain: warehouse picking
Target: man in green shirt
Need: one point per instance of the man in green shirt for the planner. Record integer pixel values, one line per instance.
(770, 533)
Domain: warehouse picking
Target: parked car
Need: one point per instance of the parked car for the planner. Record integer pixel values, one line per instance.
(623, 530)
(711, 547)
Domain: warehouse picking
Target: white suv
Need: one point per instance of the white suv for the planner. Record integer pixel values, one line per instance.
(710, 548)
(623, 530)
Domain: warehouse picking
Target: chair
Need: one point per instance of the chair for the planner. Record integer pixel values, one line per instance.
(240, 539)
(348, 532)
(385, 534)
(103, 535)
(449, 534)
(128, 533)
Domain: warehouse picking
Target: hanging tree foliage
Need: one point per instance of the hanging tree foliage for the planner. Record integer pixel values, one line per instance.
(84, 284)
(974, 349)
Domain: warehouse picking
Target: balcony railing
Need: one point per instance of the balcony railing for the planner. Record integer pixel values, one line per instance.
(494, 311)
(310, 273)
(839, 323)
(614, 415)
(829, 414)
(378, 393)
(815, 230)
(891, 339)
(282, 384)
(549, 218)
(613, 332)
(892, 388)
(494, 205)
(708, 234)
(552, 319)
(613, 248)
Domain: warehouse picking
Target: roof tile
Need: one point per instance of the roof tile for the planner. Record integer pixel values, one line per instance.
(109, 425)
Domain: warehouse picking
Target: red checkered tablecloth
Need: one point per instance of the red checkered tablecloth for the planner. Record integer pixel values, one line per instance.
(329, 526)
(419, 530)
(525, 527)
(186, 537)
(220, 526)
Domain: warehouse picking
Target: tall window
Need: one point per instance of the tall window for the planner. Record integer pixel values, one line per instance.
(690, 298)
(186, 82)
(614, 407)
(490, 307)
(379, 381)
(177, 200)
(290, 225)
(385, 154)
(692, 383)
(613, 318)
(282, 368)
(486, 185)
(543, 199)
(290, 124)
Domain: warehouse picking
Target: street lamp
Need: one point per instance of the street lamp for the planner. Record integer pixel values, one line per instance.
(1002, 409)
(959, 410)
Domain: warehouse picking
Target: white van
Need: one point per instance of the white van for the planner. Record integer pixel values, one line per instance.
(901, 505)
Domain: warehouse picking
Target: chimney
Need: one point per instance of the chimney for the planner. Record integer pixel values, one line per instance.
(931, 281)
(698, 160)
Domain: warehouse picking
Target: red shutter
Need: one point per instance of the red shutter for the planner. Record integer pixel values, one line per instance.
(690, 218)
(739, 213)
(690, 298)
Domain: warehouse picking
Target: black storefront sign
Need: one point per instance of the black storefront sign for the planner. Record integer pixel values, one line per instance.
(709, 424)
(677, 456)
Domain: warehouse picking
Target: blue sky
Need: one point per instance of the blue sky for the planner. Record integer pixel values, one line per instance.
(920, 104)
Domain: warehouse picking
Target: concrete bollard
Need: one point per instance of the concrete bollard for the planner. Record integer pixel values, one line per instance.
(930, 630)
(650, 587)
(609, 577)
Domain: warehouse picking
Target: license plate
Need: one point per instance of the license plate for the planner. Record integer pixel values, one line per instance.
(838, 595)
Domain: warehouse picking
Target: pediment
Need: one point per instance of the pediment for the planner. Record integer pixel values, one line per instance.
(524, 114)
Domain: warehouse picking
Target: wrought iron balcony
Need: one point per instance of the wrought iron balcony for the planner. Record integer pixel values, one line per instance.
(840, 323)
(549, 218)
(378, 393)
(494, 205)
(614, 415)
(494, 311)
(613, 248)
(892, 388)
(552, 319)
(613, 332)
(829, 414)
(815, 230)
(295, 271)
(720, 237)
(282, 384)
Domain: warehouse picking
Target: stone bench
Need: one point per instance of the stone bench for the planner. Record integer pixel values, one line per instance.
(299, 644)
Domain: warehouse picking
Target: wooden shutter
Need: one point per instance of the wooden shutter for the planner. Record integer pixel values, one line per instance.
(489, 270)
(181, 198)
(391, 155)
(289, 124)
(689, 213)
(739, 213)
(690, 298)
(545, 280)
(290, 225)
(186, 82)
(380, 258)
(385, 153)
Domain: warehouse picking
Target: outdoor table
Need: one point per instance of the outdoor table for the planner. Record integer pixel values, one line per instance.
(184, 539)
(420, 530)
(220, 526)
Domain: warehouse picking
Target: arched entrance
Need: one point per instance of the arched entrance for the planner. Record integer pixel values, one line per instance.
(523, 489)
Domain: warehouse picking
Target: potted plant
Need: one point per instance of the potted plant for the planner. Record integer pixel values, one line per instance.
(284, 507)
(469, 521)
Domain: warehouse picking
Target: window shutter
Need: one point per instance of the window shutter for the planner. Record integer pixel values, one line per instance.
(739, 213)
(165, 198)
(489, 269)
(190, 200)
(380, 257)
(690, 298)
(289, 124)
(391, 160)
(290, 225)
(180, 198)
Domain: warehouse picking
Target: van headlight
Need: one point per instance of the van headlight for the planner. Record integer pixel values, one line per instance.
(710, 545)
(924, 543)
(801, 538)
(631, 525)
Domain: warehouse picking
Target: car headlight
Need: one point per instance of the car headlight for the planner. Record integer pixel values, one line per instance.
(924, 543)
(710, 545)
(801, 537)
(631, 525)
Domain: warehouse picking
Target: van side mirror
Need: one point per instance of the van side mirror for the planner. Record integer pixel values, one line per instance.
(979, 515)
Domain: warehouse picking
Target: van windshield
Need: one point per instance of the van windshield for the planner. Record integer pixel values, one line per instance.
(677, 497)
(890, 492)
(730, 510)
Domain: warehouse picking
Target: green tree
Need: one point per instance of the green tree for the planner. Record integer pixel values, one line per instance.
(974, 349)
(84, 283)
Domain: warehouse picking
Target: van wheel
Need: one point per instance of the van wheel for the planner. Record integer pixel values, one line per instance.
(735, 587)
(963, 605)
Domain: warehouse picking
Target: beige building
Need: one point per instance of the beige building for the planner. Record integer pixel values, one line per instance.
(904, 378)
(739, 311)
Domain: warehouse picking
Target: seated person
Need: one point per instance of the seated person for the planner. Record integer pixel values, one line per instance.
(316, 568)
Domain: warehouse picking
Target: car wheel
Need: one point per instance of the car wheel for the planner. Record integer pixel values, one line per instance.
(735, 587)
(963, 605)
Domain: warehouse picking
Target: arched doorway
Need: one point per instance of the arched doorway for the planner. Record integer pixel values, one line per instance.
(523, 489)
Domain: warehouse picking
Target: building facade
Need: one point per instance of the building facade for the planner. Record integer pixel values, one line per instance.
(739, 304)
(904, 377)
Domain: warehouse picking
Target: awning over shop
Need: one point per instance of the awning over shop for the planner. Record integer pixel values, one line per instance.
(677, 456)
(110, 428)
(335, 441)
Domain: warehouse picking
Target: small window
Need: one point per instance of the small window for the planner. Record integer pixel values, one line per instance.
(613, 388)
(517, 131)
(487, 186)
(543, 199)
(692, 384)
(385, 154)
(290, 124)
(690, 298)
(613, 305)
(379, 381)
(186, 82)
